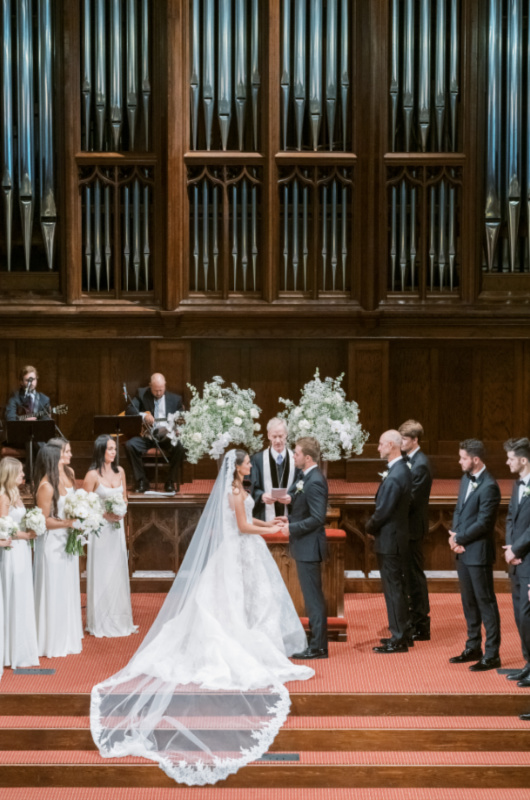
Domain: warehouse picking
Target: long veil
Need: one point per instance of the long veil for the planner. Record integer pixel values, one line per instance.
(198, 696)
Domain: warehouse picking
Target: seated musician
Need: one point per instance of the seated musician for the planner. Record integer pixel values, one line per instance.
(154, 404)
(26, 402)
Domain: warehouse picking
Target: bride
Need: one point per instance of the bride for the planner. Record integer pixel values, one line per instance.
(204, 694)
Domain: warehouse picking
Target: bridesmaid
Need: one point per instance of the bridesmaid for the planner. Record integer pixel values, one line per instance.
(109, 610)
(56, 573)
(20, 633)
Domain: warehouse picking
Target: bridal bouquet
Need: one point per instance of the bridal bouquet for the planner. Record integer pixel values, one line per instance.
(223, 415)
(324, 413)
(85, 508)
(34, 520)
(115, 504)
(8, 529)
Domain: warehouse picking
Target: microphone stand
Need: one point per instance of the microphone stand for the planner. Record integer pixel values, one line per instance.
(150, 428)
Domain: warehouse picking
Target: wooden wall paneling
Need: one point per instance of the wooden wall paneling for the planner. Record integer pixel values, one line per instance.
(455, 392)
(367, 384)
(172, 359)
(524, 377)
(72, 228)
(328, 356)
(410, 385)
(495, 395)
(7, 384)
(78, 386)
(269, 377)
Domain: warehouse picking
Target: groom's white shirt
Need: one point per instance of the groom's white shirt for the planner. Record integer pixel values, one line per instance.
(270, 511)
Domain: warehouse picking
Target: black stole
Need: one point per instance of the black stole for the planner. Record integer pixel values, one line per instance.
(276, 484)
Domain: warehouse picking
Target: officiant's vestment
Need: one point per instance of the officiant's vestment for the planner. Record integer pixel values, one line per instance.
(307, 543)
(518, 536)
(138, 445)
(421, 472)
(389, 524)
(267, 474)
(474, 524)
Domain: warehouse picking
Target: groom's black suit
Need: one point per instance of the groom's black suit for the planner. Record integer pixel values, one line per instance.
(307, 541)
(518, 536)
(389, 524)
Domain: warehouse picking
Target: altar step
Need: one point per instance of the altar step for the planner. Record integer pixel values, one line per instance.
(311, 769)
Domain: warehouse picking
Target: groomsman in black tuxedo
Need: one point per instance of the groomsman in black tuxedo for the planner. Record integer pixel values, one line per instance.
(389, 525)
(305, 527)
(272, 468)
(154, 404)
(473, 541)
(517, 548)
(420, 467)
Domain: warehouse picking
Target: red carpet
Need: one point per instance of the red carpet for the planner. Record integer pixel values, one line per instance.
(352, 666)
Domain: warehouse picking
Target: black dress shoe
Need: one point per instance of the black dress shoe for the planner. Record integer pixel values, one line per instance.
(486, 663)
(311, 652)
(142, 487)
(392, 647)
(169, 486)
(408, 641)
(466, 655)
(519, 675)
(525, 683)
(421, 636)
(525, 717)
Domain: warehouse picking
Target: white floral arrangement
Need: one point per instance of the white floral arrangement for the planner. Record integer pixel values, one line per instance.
(224, 415)
(34, 520)
(324, 413)
(85, 508)
(115, 504)
(8, 529)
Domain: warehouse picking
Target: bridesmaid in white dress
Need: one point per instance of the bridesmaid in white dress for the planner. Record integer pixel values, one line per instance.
(20, 633)
(109, 610)
(56, 573)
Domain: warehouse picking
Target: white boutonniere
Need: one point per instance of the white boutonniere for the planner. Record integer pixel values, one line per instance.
(526, 491)
(409, 464)
(474, 485)
(383, 474)
(299, 487)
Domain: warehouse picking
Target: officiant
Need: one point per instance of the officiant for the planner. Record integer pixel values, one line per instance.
(272, 469)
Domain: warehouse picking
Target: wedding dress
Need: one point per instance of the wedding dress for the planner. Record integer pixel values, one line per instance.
(108, 608)
(20, 633)
(204, 694)
(57, 593)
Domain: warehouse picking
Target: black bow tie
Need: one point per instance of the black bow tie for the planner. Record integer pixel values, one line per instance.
(471, 477)
(406, 459)
(520, 483)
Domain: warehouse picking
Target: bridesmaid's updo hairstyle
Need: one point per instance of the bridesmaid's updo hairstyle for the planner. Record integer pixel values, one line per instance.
(240, 457)
(9, 472)
(100, 448)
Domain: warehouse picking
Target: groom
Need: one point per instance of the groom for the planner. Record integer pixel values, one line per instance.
(307, 534)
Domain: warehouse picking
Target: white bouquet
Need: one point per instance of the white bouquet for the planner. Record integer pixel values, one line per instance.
(324, 413)
(222, 416)
(34, 520)
(8, 529)
(85, 507)
(115, 504)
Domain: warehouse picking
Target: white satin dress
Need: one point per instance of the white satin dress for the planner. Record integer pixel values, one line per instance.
(20, 632)
(57, 593)
(109, 610)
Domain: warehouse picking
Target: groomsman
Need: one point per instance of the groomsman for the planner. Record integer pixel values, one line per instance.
(517, 548)
(272, 468)
(389, 525)
(305, 527)
(420, 467)
(473, 541)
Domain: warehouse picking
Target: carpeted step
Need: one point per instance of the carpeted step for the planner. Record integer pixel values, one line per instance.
(311, 769)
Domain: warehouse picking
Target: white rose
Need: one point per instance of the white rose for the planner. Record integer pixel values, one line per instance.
(257, 426)
(197, 437)
(304, 424)
(254, 413)
(237, 421)
(338, 399)
(297, 412)
(221, 402)
(240, 413)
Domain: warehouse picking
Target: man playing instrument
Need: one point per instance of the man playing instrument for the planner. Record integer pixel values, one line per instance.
(154, 404)
(26, 402)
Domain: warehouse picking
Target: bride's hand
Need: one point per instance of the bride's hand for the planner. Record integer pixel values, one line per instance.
(111, 517)
(274, 529)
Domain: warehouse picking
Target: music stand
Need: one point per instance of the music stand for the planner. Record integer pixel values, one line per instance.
(28, 431)
(117, 426)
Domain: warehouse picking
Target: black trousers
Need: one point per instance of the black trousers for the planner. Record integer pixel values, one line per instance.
(480, 607)
(310, 577)
(521, 609)
(138, 445)
(394, 590)
(417, 586)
